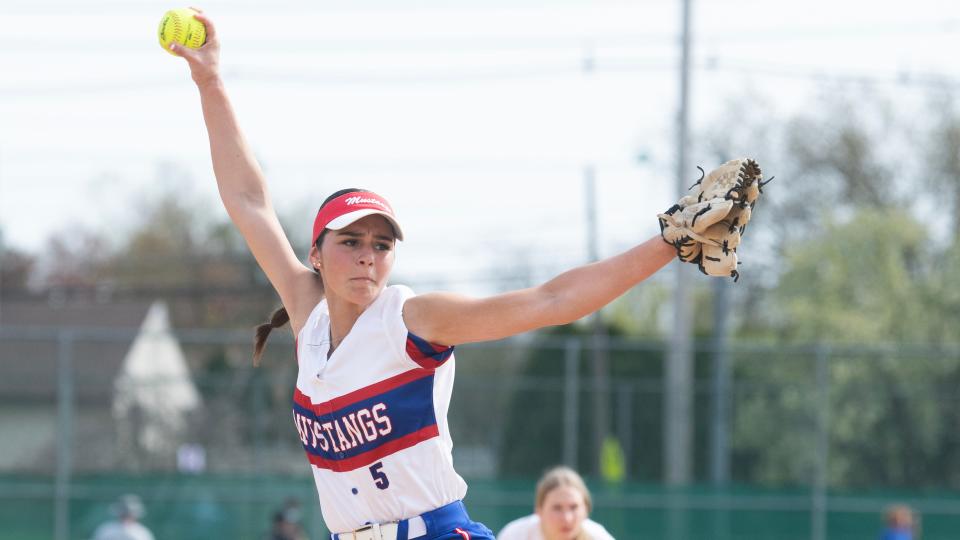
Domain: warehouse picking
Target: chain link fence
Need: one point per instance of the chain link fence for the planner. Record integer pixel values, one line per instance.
(814, 441)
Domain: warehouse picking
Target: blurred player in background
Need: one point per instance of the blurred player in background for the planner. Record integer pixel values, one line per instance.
(285, 525)
(561, 506)
(128, 511)
(375, 362)
(901, 523)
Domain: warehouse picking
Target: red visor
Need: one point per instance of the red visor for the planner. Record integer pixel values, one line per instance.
(350, 207)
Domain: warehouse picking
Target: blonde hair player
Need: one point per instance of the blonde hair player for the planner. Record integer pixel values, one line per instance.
(376, 363)
(560, 511)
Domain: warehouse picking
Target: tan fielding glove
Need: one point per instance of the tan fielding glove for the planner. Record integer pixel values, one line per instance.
(706, 225)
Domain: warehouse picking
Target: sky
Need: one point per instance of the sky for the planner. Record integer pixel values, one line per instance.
(479, 120)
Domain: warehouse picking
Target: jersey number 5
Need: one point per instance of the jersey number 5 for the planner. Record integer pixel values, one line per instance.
(379, 477)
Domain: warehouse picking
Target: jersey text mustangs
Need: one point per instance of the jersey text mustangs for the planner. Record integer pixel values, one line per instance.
(364, 426)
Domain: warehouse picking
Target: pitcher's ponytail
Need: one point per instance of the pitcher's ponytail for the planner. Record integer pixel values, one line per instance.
(278, 319)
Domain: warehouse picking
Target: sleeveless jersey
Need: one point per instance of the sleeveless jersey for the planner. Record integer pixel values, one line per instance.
(528, 528)
(373, 417)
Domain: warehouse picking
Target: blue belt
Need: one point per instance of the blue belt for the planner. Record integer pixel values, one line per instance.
(439, 521)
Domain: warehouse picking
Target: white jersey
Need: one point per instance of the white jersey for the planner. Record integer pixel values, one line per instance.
(528, 528)
(373, 417)
(116, 530)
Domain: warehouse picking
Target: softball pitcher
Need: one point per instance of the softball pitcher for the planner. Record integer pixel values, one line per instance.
(376, 363)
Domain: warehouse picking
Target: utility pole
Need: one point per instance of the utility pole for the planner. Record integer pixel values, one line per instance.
(720, 409)
(720, 405)
(678, 398)
(678, 387)
(2, 247)
(599, 367)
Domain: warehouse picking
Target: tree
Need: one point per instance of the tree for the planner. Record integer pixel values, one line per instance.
(174, 249)
(75, 257)
(943, 164)
(537, 408)
(868, 280)
(16, 267)
(861, 233)
(858, 282)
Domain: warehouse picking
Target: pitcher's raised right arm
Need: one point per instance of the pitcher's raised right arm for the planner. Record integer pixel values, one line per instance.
(243, 188)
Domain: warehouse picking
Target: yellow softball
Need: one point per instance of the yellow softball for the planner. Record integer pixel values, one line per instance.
(179, 26)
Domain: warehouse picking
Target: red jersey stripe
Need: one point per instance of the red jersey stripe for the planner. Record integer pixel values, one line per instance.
(360, 394)
(366, 458)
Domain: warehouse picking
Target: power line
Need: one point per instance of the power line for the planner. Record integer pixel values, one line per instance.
(430, 46)
(845, 76)
(497, 165)
(41, 8)
(443, 45)
(393, 76)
